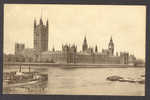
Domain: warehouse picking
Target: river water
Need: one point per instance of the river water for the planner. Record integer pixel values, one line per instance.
(83, 81)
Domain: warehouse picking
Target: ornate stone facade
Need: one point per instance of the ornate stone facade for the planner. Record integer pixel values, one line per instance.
(41, 36)
(69, 53)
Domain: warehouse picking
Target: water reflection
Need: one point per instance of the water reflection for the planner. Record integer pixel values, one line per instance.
(84, 81)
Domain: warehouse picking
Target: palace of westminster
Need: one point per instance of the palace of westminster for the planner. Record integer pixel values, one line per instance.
(68, 54)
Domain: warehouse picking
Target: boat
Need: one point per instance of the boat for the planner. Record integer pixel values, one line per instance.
(19, 78)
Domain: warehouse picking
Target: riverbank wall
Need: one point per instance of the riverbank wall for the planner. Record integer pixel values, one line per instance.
(73, 65)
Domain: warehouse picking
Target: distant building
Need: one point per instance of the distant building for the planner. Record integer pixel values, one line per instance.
(19, 48)
(68, 54)
(96, 49)
(41, 36)
(40, 44)
(111, 47)
(85, 45)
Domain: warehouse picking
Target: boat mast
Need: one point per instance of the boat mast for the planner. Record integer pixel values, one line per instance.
(20, 69)
(29, 68)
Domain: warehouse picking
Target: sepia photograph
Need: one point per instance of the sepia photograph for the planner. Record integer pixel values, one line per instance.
(72, 49)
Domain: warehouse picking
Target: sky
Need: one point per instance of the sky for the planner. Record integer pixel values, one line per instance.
(70, 23)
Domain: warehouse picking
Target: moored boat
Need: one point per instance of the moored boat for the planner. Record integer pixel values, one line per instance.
(19, 78)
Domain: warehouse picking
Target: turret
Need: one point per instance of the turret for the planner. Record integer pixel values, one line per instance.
(41, 22)
(84, 46)
(19, 48)
(53, 49)
(117, 54)
(34, 23)
(85, 41)
(96, 49)
(47, 23)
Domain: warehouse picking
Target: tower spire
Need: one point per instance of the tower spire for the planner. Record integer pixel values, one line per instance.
(41, 22)
(111, 46)
(85, 45)
(111, 38)
(41, 36)
(85, 41)
(34, 22)
(47, 22)
(53, 49)
(96, 49)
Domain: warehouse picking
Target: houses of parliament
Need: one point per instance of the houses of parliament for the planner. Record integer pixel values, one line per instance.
(69, 53)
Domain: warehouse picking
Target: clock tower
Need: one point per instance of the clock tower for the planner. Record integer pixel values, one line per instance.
(111, 47)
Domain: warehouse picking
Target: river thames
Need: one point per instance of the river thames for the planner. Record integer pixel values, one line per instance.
(82, 81)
